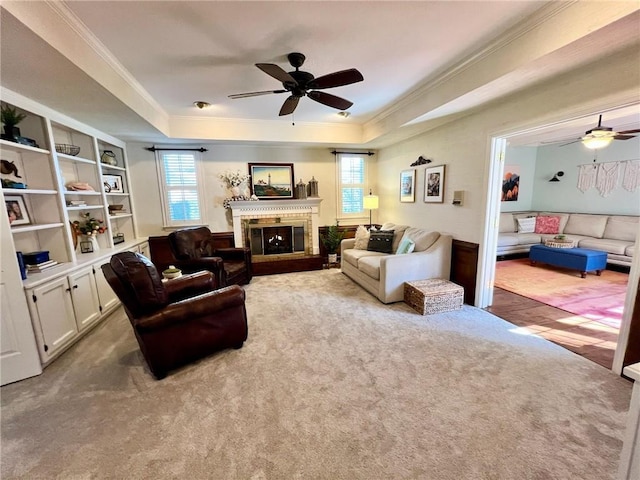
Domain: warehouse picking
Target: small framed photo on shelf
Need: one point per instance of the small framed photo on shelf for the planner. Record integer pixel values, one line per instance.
(16, 210)
(271, 181)
(86, 246)
(408, 186)
(434, 184)
(113, 183)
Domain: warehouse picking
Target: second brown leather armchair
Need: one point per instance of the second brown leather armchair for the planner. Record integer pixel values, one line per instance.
(178, 321)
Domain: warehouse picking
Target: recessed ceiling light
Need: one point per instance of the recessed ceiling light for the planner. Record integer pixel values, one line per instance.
(344, 114)
(200, 104)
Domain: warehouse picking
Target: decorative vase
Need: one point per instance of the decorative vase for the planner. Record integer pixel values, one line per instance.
(333, 258)
(235, 191)
(94, 242)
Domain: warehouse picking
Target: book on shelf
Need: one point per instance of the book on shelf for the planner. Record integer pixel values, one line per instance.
(39, 267)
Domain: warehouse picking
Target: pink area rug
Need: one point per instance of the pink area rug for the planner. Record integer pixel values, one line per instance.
(598, 298)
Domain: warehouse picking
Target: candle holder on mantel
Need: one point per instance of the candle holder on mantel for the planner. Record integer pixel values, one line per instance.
(301, 190)
(312, 188)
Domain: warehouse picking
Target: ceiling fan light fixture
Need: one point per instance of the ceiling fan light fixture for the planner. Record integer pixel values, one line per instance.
(344, 114)
(594, 142)
(201, 104)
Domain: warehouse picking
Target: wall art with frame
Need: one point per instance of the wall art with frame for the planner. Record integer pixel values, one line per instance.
(16, 210)
(271, 181)
(113, 183)
(434, 184)
(408, 186)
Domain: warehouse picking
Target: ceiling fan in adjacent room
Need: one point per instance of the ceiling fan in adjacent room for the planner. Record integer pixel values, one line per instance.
(601, 136)
(300, 84)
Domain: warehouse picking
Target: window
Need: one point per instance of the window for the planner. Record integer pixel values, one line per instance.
(352, 174)
(180, 181)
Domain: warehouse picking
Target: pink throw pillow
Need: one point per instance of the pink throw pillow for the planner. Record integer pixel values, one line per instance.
(546, 224)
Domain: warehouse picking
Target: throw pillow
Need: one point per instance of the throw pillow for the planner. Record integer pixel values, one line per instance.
(527, 225)
(381, 241)
(546, 224)
(362, 238)
(406, 246)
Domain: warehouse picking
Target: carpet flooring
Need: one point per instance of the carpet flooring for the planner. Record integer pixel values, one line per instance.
(331, 384)
(597, 298)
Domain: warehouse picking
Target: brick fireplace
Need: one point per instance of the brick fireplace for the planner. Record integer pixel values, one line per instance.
(277, 229)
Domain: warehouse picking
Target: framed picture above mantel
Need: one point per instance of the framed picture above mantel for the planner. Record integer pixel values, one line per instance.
(271, 181)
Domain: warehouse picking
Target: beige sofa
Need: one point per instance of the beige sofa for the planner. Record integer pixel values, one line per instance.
(614, 234)
(383, 275)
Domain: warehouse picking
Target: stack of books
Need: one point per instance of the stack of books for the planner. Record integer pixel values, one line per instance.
(41, 267)
(76, 203)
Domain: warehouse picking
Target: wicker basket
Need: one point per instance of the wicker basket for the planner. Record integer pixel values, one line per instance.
(67, 149)
(433, 296)
(560, 243)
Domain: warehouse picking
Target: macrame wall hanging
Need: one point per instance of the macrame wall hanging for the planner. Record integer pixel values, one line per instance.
(604, 177)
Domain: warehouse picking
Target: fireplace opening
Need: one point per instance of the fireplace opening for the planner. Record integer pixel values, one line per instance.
(276, 239)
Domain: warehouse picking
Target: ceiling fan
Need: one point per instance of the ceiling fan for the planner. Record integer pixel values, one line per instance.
(299, 84)
(601, 136)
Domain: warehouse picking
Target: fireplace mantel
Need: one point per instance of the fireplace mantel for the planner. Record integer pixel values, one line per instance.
(242, 210)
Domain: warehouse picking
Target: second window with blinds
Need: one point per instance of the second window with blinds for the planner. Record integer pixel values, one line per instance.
(181, 187)
(352, 184)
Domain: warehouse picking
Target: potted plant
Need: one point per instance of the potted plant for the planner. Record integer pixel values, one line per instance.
(331, 241)
(11, 117)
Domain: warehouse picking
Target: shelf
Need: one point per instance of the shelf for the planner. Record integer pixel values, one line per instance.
(85, 207)
(33, 228)
(19, 147)
(117, 194)
(113, 167)
(121, 215)
(71, 158)
(82, 192)
(30, 191)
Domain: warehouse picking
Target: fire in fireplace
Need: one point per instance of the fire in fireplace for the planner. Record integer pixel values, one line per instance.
(277, 239)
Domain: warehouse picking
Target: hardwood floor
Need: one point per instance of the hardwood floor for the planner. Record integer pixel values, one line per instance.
(592, 340)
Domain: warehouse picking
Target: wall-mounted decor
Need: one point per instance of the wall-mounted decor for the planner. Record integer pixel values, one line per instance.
(434, 184)
(408, 186)
(271, 181)
(510, 183)
(420, 161)
(16, 210)
(605, 176)
(113, 183)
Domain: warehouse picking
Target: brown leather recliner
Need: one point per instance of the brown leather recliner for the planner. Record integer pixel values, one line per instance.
(195, 249)
(178, 321)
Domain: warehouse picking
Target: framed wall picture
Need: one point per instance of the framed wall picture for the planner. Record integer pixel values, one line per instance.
(271, 181)
(16, 210)
(434, 184)
(113, 183)
(510, 183)
(408, 186)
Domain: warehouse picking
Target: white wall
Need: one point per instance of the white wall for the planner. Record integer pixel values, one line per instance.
(525, 159)
(565, 196)
(308, 162)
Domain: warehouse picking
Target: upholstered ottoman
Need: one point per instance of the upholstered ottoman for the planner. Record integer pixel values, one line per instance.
(433, 296)
(580, 259)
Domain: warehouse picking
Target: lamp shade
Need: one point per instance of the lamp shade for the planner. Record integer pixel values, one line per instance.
(370, 202)
(594, 142)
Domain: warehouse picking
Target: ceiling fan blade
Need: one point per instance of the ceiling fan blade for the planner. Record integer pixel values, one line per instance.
(276, 72)
(575, 141)
(289, 105)
(255, 94)
(637, 130)
(336, 79)
(623, 137)
(330, 100)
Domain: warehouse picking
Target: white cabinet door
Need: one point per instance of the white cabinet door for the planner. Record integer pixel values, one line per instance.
(54, 314)
(106, 295)
(143, 249)
(84, 295)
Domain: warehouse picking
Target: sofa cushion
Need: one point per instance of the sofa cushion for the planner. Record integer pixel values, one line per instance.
(507, 223)
(526, 225)
(422, 238)
(370, 266)
(362, 238)
(353, 256)
(406, 246)
(381, 241)
(398, 232)
(629, 250)
(528, 238)
(587, 225)
(564, 218)
(605, 244)
(621, 228)
(547, 224)
(507, 239)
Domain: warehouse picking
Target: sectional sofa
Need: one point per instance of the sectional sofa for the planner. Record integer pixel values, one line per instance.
(383, 274)
(614, 234)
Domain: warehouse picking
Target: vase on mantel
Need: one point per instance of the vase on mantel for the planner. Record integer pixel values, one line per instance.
(235, 191)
